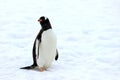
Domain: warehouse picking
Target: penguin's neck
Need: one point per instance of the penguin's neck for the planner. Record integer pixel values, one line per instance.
(46, 28)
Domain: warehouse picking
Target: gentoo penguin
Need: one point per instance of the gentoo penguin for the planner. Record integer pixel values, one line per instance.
(44, 48)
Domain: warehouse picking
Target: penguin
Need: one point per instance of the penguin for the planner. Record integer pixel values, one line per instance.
(45, 46)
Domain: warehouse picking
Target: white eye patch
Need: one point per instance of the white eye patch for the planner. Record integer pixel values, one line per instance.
(45, 18)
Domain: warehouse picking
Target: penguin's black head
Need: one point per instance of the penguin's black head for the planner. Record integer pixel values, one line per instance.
(45, 23)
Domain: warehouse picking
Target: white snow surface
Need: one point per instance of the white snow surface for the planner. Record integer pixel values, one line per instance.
(88, 33)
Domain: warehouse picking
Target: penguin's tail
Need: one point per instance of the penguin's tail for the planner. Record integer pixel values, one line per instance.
(29, 67)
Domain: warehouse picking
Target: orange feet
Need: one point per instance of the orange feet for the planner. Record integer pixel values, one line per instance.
(42, 69)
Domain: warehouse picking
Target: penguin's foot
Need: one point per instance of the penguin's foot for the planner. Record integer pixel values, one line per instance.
(42, 69)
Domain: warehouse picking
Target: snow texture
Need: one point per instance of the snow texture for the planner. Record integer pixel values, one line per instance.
(88, 33)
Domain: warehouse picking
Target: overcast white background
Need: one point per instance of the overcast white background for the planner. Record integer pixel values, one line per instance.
(88, 33)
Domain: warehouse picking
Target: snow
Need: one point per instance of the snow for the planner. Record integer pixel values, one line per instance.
(88, 33)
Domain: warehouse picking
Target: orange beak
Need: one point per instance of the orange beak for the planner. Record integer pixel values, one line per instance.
(39, 20)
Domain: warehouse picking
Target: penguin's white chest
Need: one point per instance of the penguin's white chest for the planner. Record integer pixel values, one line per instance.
(47, 49)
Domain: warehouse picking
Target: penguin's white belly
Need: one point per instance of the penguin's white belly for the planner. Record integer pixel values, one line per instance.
(47, 49)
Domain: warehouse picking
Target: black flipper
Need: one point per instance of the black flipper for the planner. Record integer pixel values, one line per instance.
(56, 57)
(29, 67)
